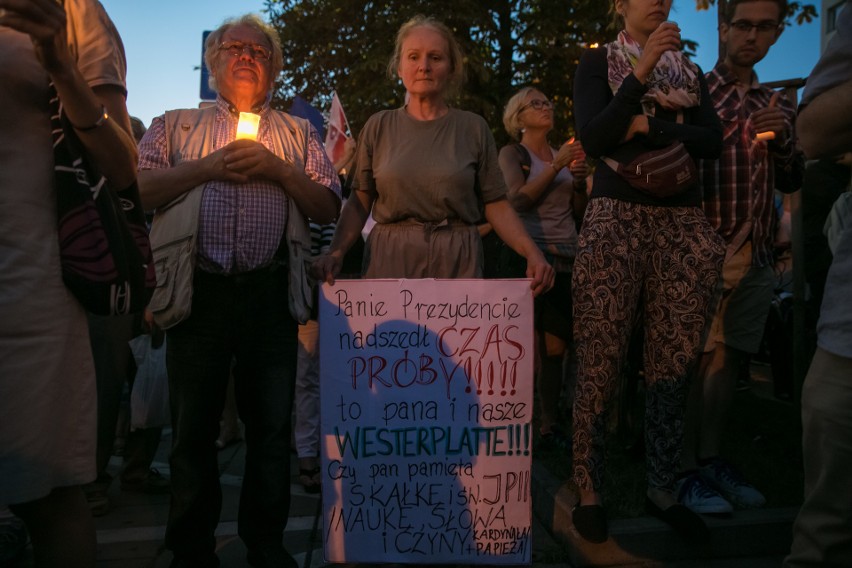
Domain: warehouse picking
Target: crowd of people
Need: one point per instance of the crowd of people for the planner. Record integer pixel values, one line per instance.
(682, 253)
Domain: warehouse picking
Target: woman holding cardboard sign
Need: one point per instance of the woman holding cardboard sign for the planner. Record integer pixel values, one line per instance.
(642, 107)
(427, 171)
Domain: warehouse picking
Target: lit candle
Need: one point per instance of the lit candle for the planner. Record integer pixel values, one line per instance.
(247, 126)
(768, 135)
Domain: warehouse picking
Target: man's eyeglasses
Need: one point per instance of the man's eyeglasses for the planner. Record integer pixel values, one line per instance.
(537, 104)
(744, 26)
(237, 48)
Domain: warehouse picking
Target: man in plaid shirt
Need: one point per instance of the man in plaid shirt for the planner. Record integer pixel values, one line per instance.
(739, 200)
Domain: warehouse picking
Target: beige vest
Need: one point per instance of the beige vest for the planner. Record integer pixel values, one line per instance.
(173, 234)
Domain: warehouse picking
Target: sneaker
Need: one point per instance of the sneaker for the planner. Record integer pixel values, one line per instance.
(153, 484)
(731, 484)
(694, 493)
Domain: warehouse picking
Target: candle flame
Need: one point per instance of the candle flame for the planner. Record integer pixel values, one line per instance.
(247, 126)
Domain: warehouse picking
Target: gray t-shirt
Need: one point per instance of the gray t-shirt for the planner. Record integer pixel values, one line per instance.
(551, 221)
(428, 170)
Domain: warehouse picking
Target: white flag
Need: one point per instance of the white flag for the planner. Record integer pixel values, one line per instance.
(335, 137)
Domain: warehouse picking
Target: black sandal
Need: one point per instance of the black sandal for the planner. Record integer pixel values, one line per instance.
(686, 523)
(310, 480)
(590, 522)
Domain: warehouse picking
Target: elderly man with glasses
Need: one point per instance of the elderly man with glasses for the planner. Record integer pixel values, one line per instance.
(231, 239)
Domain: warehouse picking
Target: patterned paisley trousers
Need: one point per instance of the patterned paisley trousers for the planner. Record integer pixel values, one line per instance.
(666, 260)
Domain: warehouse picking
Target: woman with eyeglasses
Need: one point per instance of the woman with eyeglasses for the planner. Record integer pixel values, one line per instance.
(547, 188)
(427, 170)
(643, 258)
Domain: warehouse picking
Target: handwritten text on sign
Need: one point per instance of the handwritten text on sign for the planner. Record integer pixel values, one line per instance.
(426, 410)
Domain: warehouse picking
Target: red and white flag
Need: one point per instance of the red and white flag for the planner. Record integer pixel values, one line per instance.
(335, 137)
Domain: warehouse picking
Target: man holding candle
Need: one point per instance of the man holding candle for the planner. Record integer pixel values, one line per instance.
(230, 235)
(758, 156)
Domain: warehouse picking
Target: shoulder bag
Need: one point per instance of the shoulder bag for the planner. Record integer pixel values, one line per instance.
(103, 240)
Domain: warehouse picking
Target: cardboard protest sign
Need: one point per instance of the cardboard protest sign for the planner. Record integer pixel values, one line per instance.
(427, 389)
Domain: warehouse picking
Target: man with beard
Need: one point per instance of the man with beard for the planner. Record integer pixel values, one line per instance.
(757, 155)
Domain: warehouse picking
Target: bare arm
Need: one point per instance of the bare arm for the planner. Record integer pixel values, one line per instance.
(160, 186)
(254, 160)
(110, 145)
(825, 124)
(352, 219)
(525, 194)
(238, 162)
(509, 228)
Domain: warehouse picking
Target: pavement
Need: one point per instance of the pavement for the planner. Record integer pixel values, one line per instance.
(131, 534)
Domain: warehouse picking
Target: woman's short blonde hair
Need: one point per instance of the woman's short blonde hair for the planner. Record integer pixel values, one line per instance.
(453, 48)
(511, 120)
(211, 44)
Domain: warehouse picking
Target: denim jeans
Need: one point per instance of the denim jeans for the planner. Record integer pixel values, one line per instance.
(244, 319)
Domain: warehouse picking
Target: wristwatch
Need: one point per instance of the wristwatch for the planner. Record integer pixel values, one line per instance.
(101, 120)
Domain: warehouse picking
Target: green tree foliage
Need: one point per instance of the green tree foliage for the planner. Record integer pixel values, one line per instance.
(344, 46)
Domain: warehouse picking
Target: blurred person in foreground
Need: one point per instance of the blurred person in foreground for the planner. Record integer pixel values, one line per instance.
(48, 401)
(114, 368)
(822, 533)
(547, 188)
(244, 198)
(739, 200)
(642, 259)
(428, 169)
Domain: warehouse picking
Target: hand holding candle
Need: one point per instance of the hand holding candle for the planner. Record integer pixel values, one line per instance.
(567, 154)
(578, 167)
(579, 153)
(247, 126)
(769, 122)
